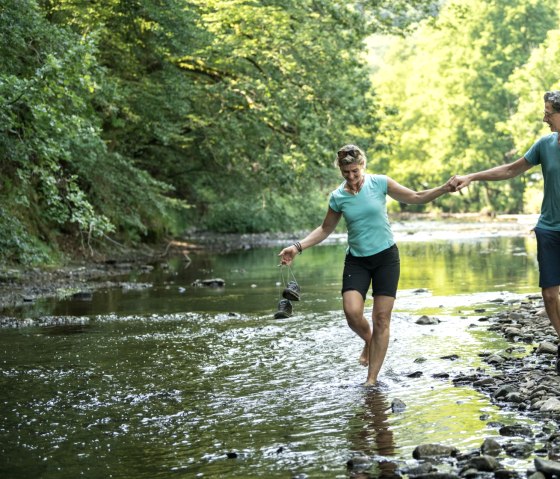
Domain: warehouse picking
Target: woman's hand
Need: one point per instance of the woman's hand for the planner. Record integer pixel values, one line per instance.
(288, 254)
(451, 185)
(462, 182)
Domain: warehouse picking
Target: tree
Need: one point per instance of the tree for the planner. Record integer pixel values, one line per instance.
(528, 83)
(58, 176)
(447, 96)
(238, 104)
(118, 115)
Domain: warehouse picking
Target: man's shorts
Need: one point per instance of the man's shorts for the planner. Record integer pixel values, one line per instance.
(381, 270)
(548, 256)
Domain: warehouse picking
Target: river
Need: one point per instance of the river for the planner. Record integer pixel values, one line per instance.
(167, 379)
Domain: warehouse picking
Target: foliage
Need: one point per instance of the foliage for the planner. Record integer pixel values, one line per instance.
(17, 245)
(117, 115)
(238, 104)
(135, 118)
(540, 73)
(445, 98)
(58, 175)
(528, 83)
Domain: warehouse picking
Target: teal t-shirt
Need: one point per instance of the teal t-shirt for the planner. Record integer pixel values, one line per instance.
(369, 231)
(546, 152)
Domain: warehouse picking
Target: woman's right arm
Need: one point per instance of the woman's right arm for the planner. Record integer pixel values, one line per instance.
(316, 236)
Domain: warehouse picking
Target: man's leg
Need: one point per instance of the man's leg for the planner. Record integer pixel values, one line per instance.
(381, 315)
(353, 303)
(548, 256)
(552, 306)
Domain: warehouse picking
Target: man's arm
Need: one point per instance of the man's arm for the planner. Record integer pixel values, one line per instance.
(502, 172)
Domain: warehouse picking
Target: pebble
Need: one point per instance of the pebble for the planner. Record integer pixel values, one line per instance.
(427, 320)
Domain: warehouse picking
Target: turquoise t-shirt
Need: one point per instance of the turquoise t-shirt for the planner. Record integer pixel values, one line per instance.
(546, 152)
(369, 231)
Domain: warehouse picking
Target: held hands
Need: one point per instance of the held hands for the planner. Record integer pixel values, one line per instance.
(461, 182)
(456, 183)
(450, 184)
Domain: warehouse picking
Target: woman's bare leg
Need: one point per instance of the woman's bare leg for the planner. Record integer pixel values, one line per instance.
(353, 304)
(381, 316)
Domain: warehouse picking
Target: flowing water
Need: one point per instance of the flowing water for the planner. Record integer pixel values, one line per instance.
(173, 380)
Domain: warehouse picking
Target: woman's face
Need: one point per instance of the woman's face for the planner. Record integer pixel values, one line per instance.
(352, 173)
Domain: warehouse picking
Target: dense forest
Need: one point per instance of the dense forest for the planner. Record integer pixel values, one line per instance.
(127, 121)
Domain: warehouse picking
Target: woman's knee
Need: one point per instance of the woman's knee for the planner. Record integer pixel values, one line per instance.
(353, 316)
(382, 319)
(353, 304)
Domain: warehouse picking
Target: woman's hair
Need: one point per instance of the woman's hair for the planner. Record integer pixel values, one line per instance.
(553, 97)
(349, 154)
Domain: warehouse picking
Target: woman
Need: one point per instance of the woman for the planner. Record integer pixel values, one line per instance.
(372, 257)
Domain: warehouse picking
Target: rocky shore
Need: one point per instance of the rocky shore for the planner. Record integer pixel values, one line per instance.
(522, 379)
(18, 286)
(82, 276)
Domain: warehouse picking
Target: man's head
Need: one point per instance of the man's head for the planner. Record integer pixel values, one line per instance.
(551, 115)
(553, 97)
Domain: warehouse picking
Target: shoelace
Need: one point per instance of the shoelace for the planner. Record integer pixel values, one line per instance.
(290, 272)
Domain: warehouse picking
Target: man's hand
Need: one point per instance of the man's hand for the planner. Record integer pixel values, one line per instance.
(461, 182)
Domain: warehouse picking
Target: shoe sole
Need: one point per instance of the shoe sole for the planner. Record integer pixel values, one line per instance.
(290, 295)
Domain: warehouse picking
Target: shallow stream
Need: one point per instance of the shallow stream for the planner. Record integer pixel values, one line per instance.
(172, 380)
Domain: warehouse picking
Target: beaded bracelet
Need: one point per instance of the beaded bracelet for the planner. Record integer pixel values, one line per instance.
(297, 244)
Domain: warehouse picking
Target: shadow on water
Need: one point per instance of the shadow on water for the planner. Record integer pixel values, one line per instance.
(374, 437)
(173, 380)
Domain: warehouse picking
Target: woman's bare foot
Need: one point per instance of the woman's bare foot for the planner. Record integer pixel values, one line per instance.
(364, 357)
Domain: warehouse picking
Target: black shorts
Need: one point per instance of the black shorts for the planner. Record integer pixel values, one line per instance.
(548, 256)
(381, 270)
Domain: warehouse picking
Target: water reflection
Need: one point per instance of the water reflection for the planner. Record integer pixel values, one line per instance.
(377, 437)
(373, 436)
(442, 268)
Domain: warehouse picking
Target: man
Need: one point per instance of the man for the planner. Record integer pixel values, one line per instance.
(546, 152)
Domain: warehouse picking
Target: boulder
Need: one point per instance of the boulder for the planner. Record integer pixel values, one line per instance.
(516, 430)
(434, 450)
(548, 468)
(551, 405)
(490, 447)
(426, 320)
(484, 463)
(546, 347)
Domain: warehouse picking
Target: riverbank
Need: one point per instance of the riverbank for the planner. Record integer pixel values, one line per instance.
(521, 379)
(89, 272)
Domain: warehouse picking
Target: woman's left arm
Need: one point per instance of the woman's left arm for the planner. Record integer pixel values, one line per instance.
(405, 195)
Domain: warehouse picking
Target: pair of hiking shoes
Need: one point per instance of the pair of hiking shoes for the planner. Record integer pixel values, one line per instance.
(290, 293)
